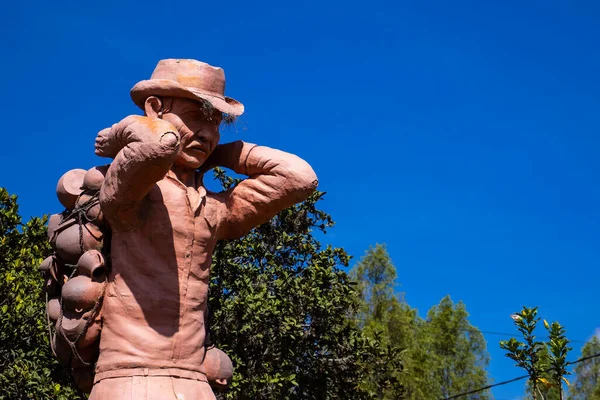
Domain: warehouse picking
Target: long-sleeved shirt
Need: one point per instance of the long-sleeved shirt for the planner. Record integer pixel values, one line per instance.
(163, 237)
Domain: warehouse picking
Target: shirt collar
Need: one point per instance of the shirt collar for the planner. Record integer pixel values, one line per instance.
(195, 199)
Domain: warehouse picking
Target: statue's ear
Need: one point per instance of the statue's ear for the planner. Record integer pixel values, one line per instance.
(153, 107)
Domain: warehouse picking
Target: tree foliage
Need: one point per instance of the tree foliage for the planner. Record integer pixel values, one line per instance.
(381, 316)
(457, 349)
(27, 368)
(282, 309)
(586, 385)
(375, 275)
(443, 354)
(544, 361)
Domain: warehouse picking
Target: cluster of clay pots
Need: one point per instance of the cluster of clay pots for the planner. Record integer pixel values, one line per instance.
(75, 275)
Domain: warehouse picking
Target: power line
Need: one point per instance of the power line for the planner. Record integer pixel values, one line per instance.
(456, 396)
(477, 330)
(583, 359)
(509, 334)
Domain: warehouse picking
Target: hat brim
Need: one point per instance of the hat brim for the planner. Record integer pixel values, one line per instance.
(168, 88)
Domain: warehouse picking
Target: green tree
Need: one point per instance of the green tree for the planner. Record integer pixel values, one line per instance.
(457, 355)
(443, 355)
(282, 310)
(586, 384)
(381, 315)
(558, 348)
(552, 365)
(546, 389)
(526, 354)
(28, 369)
(545, 362)
(375, 275)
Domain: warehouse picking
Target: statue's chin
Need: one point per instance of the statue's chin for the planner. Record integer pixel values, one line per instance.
(187, 162)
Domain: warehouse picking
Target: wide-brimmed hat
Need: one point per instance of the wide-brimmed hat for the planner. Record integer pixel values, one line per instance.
(189, 79)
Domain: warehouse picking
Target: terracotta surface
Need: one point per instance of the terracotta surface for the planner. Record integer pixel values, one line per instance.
(53, 309)
(53, 223)
(218, 368)
(69, 187)
(69, 246)
(76, 274)
(91, 206)
(93, 178)
(47, 264)
(189, 79)
(74, 327)
(92, 264)
(164, 226)
(81, 293)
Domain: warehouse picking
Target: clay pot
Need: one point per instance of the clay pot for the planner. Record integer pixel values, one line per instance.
(92, 264)
(53, 223)
(61, 348)
(218, 367)
(52, 267)
(47, 264)
(69, 187)
(88, 354)
(84, 379)
(64, 224)
(94, 178)
(63, 352)
(51, 287)
(93, 211)
(67, 242)
(73, 324)
(53, 309)
(81, 293)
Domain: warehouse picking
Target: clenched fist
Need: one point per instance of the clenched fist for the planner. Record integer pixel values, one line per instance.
(135, 128)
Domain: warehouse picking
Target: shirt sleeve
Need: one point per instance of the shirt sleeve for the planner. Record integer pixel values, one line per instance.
(276, 180)
(145, 150)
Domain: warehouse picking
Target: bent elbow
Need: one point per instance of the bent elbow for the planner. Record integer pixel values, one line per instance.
(309, 179)
(303, 179)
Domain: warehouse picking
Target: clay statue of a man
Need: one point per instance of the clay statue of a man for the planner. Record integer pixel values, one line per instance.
(165, 225)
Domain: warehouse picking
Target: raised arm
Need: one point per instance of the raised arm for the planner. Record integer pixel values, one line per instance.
(276, 180)
(143, 149)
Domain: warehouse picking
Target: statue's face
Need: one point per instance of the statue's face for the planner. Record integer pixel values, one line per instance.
(199, 131)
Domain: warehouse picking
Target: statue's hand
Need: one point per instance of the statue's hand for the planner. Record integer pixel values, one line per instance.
(106, 145)
(109, 141)
(212, 161)
(133, 128)
(224, 155)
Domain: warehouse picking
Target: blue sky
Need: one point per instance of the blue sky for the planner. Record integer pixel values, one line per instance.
(462, 134)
